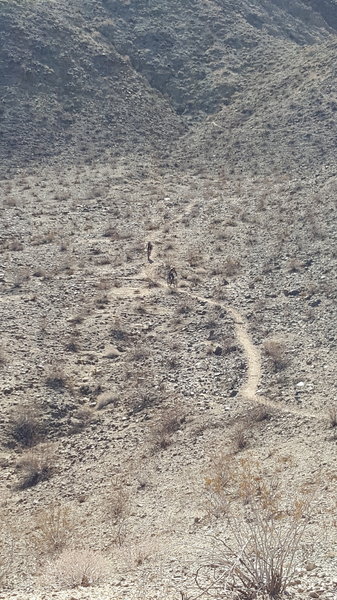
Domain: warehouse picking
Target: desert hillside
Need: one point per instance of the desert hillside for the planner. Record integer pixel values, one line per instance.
(168, 300)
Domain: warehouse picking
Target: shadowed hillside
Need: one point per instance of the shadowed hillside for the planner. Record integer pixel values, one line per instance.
(64, 89)
(83, 78)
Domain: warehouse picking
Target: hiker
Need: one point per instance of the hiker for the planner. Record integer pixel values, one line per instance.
(149, 250)
(172, 277)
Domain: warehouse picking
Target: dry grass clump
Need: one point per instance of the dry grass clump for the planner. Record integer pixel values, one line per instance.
(7, 551)
(219, 475)
(260, 413)
(118, 501)
(26, 427)
(35, 466)
(78, 319)
(3, 359)
(239, 438)
(14, 246)
(72, 345)
(276, 351)
(53, 528)
(76, 568)
(117, 508)
(111, 233)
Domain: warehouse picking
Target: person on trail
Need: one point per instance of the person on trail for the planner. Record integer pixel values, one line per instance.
(172, 277)
(149, 250)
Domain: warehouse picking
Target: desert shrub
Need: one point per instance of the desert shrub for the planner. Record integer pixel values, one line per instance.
(72, 345)
(105, 399)
(81, 419)
(171, 421)
(332, 417)
(77, 319)
(26, 426)
(118, 502)
(276, 351)
(231, 266)
(259, 413)
(219, 475)
(35, 466)
(111, 233)
(239, 438)
(56, 379)
(137, 402)
(53, 528)
(117, 508)
(76, 568)
(173, 362)
(7, 552)
(2, 357)
(257, 556)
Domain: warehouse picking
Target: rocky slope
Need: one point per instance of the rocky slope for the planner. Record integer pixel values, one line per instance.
(283, 119)
(130, 77)
(129, 407)
(64, 89)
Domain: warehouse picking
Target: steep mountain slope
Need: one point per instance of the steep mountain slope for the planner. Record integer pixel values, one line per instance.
(284, 119)
(83, 77)
(198, 53)
(63, 88)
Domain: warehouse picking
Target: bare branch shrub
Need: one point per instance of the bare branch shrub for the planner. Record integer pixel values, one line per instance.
(264, 529)
(53, 527)
(76, 568)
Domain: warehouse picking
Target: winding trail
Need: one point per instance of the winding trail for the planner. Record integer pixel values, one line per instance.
(253, 359)
(249, 389)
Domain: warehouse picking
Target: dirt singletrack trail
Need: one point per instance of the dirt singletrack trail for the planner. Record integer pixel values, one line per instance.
(249, 389)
